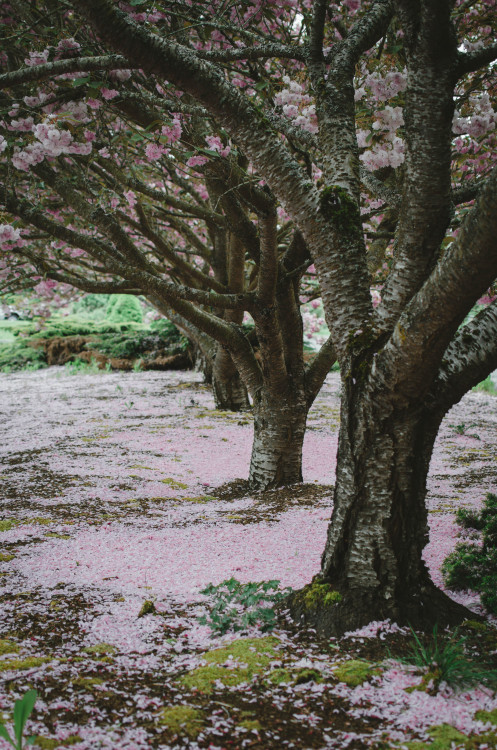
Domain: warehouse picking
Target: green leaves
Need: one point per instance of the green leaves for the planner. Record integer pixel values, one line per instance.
(22, 711)
(472, 565)
(238, 606)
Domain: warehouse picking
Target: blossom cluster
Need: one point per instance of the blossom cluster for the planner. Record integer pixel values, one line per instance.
(297, 105)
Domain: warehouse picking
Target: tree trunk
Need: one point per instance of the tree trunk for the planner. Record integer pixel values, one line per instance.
(279, 428)
(373, 555)
(230, 393)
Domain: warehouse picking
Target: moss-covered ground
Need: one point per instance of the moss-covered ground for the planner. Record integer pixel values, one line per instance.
(122, 496)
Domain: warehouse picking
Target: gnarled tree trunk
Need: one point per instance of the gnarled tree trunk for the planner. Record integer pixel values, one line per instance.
(373, 555)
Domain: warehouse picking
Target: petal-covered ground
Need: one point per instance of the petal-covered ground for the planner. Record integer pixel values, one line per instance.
(113, 496)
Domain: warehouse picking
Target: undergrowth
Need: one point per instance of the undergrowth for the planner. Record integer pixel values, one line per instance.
(238, 606)
(473, 565)
(446, 660)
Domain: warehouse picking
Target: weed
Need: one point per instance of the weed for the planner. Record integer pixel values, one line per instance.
(238, 606)
(22, 710)
(79, 367)
(445, 660)
(473, 565)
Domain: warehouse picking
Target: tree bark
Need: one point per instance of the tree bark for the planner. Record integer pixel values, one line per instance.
(373, 556)
(279, 428)
(230, 393)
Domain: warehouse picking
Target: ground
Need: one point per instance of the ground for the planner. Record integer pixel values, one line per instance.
(122, 498)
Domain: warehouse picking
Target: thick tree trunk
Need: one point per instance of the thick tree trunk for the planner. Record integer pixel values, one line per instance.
(373, 556)
(230, 393)
(279, 428)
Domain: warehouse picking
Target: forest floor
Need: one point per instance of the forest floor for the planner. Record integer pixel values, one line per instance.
(121, 500)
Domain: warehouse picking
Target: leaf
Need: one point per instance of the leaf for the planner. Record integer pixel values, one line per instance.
(22, 709)
(5, 734)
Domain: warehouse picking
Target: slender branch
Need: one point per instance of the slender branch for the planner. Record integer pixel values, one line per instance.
(59, 67)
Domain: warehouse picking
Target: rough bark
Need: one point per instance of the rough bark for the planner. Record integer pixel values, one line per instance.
(279, 427)
(373, 555)
(230, 393)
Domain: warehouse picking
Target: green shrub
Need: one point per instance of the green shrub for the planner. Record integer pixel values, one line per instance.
(471, 565)
(20, 356)
(124, 308)
(92, 305)
(134, 344)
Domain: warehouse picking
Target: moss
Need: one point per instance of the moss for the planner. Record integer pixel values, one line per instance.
(53, 535)
(204, 678)
(182, 720)
(338, 206)
(251, 725)
(174, 484)
(8, 523)
(6, 558)
(255, 654)
(148, 608)
(317, 594)
(46, 743)
(100, 648)
(8, 647)
(445, 737)
(293, 676)
(355, 672)
(490, 716)
(27, 663)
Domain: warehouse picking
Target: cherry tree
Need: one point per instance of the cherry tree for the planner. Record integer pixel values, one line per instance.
(363, 135)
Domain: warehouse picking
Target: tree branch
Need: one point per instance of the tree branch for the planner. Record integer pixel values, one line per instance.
(468, 62)
(59, 67)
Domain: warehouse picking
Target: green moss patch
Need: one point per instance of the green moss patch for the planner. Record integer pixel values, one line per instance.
(6, 524)
(6, 558)
(490, 716)
(101, 649)
(8, 647)
(47, 743)
(445, 737)
(253, 655)
(183, 720)
(250, 725)
(175, 484)
(27, 663)
(317, 594)
(355, 672)
(293, 676)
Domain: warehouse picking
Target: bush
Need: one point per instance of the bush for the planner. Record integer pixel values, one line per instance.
(92, 305)
(472, 565)
(124, 308)
(21, 356)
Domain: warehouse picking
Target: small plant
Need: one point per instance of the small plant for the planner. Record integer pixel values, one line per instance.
(238, 606)
(471, 565)
(80, 367)
(446, 661)
(22, 710)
